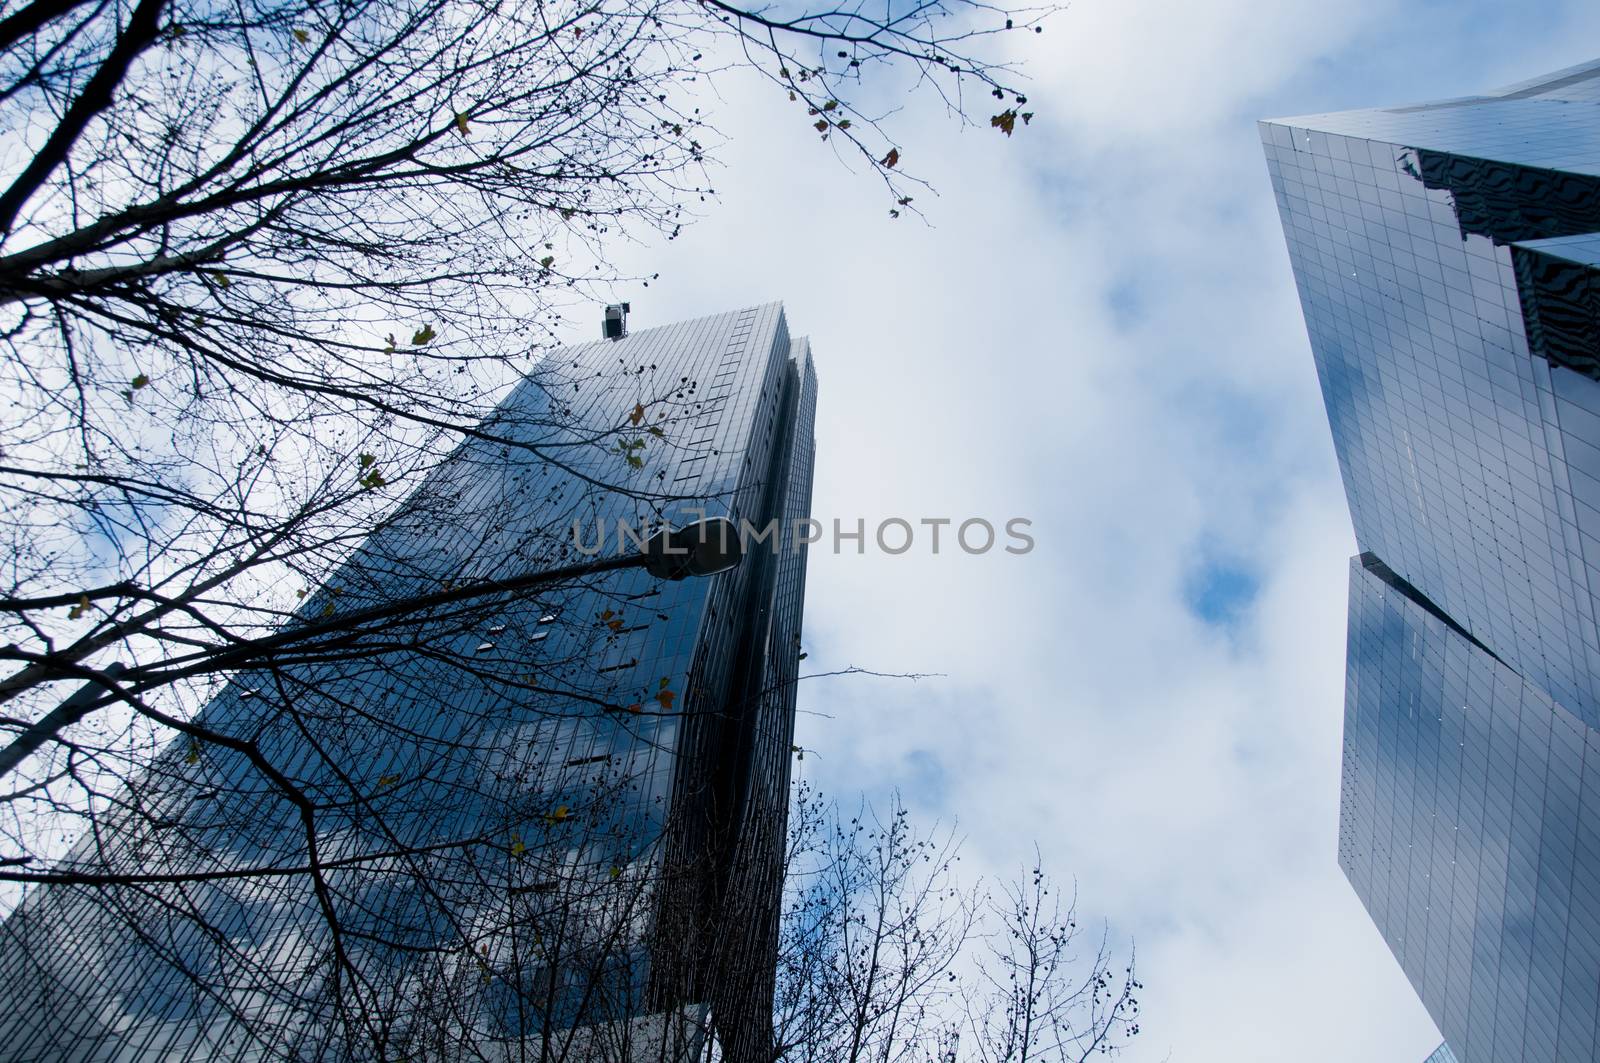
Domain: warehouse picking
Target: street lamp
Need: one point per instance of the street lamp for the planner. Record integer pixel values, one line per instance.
(703, 548)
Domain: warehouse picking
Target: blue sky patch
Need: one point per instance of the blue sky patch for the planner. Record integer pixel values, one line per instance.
(1221, 592)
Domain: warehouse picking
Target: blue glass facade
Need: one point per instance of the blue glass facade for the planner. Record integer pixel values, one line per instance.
(536, 819)
(1445, 255)
(1442, 1054)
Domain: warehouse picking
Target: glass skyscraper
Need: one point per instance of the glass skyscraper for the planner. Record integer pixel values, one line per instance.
(1446, 256)
(548, 826)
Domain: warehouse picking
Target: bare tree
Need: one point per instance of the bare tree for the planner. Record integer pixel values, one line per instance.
(877, 924)
(264, 268)
(1036, 995)
(264, 265)
(888, 954)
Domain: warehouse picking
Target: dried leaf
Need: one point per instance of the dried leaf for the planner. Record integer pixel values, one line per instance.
(890, 159)
(1005, 121)
(637, 415)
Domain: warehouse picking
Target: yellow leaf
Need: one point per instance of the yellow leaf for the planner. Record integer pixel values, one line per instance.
(517, 848)
(194, 754)
(1005, 121)
(665, 698)
(461, 124)
(388, 780)
(560, 813)
(79, 609)
(302, 36)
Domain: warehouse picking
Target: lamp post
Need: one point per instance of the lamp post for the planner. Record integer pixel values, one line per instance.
(703, 548)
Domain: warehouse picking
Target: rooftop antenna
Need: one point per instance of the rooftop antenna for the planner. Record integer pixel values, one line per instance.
(615, 325)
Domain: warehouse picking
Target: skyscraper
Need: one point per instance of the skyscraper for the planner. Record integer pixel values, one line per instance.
(1446, 256)
(554, 819)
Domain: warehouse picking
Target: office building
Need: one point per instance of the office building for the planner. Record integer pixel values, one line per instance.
(547, 825)
(1446, 256)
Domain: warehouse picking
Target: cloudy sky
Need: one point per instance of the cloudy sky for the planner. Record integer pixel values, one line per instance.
(1098, 331)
